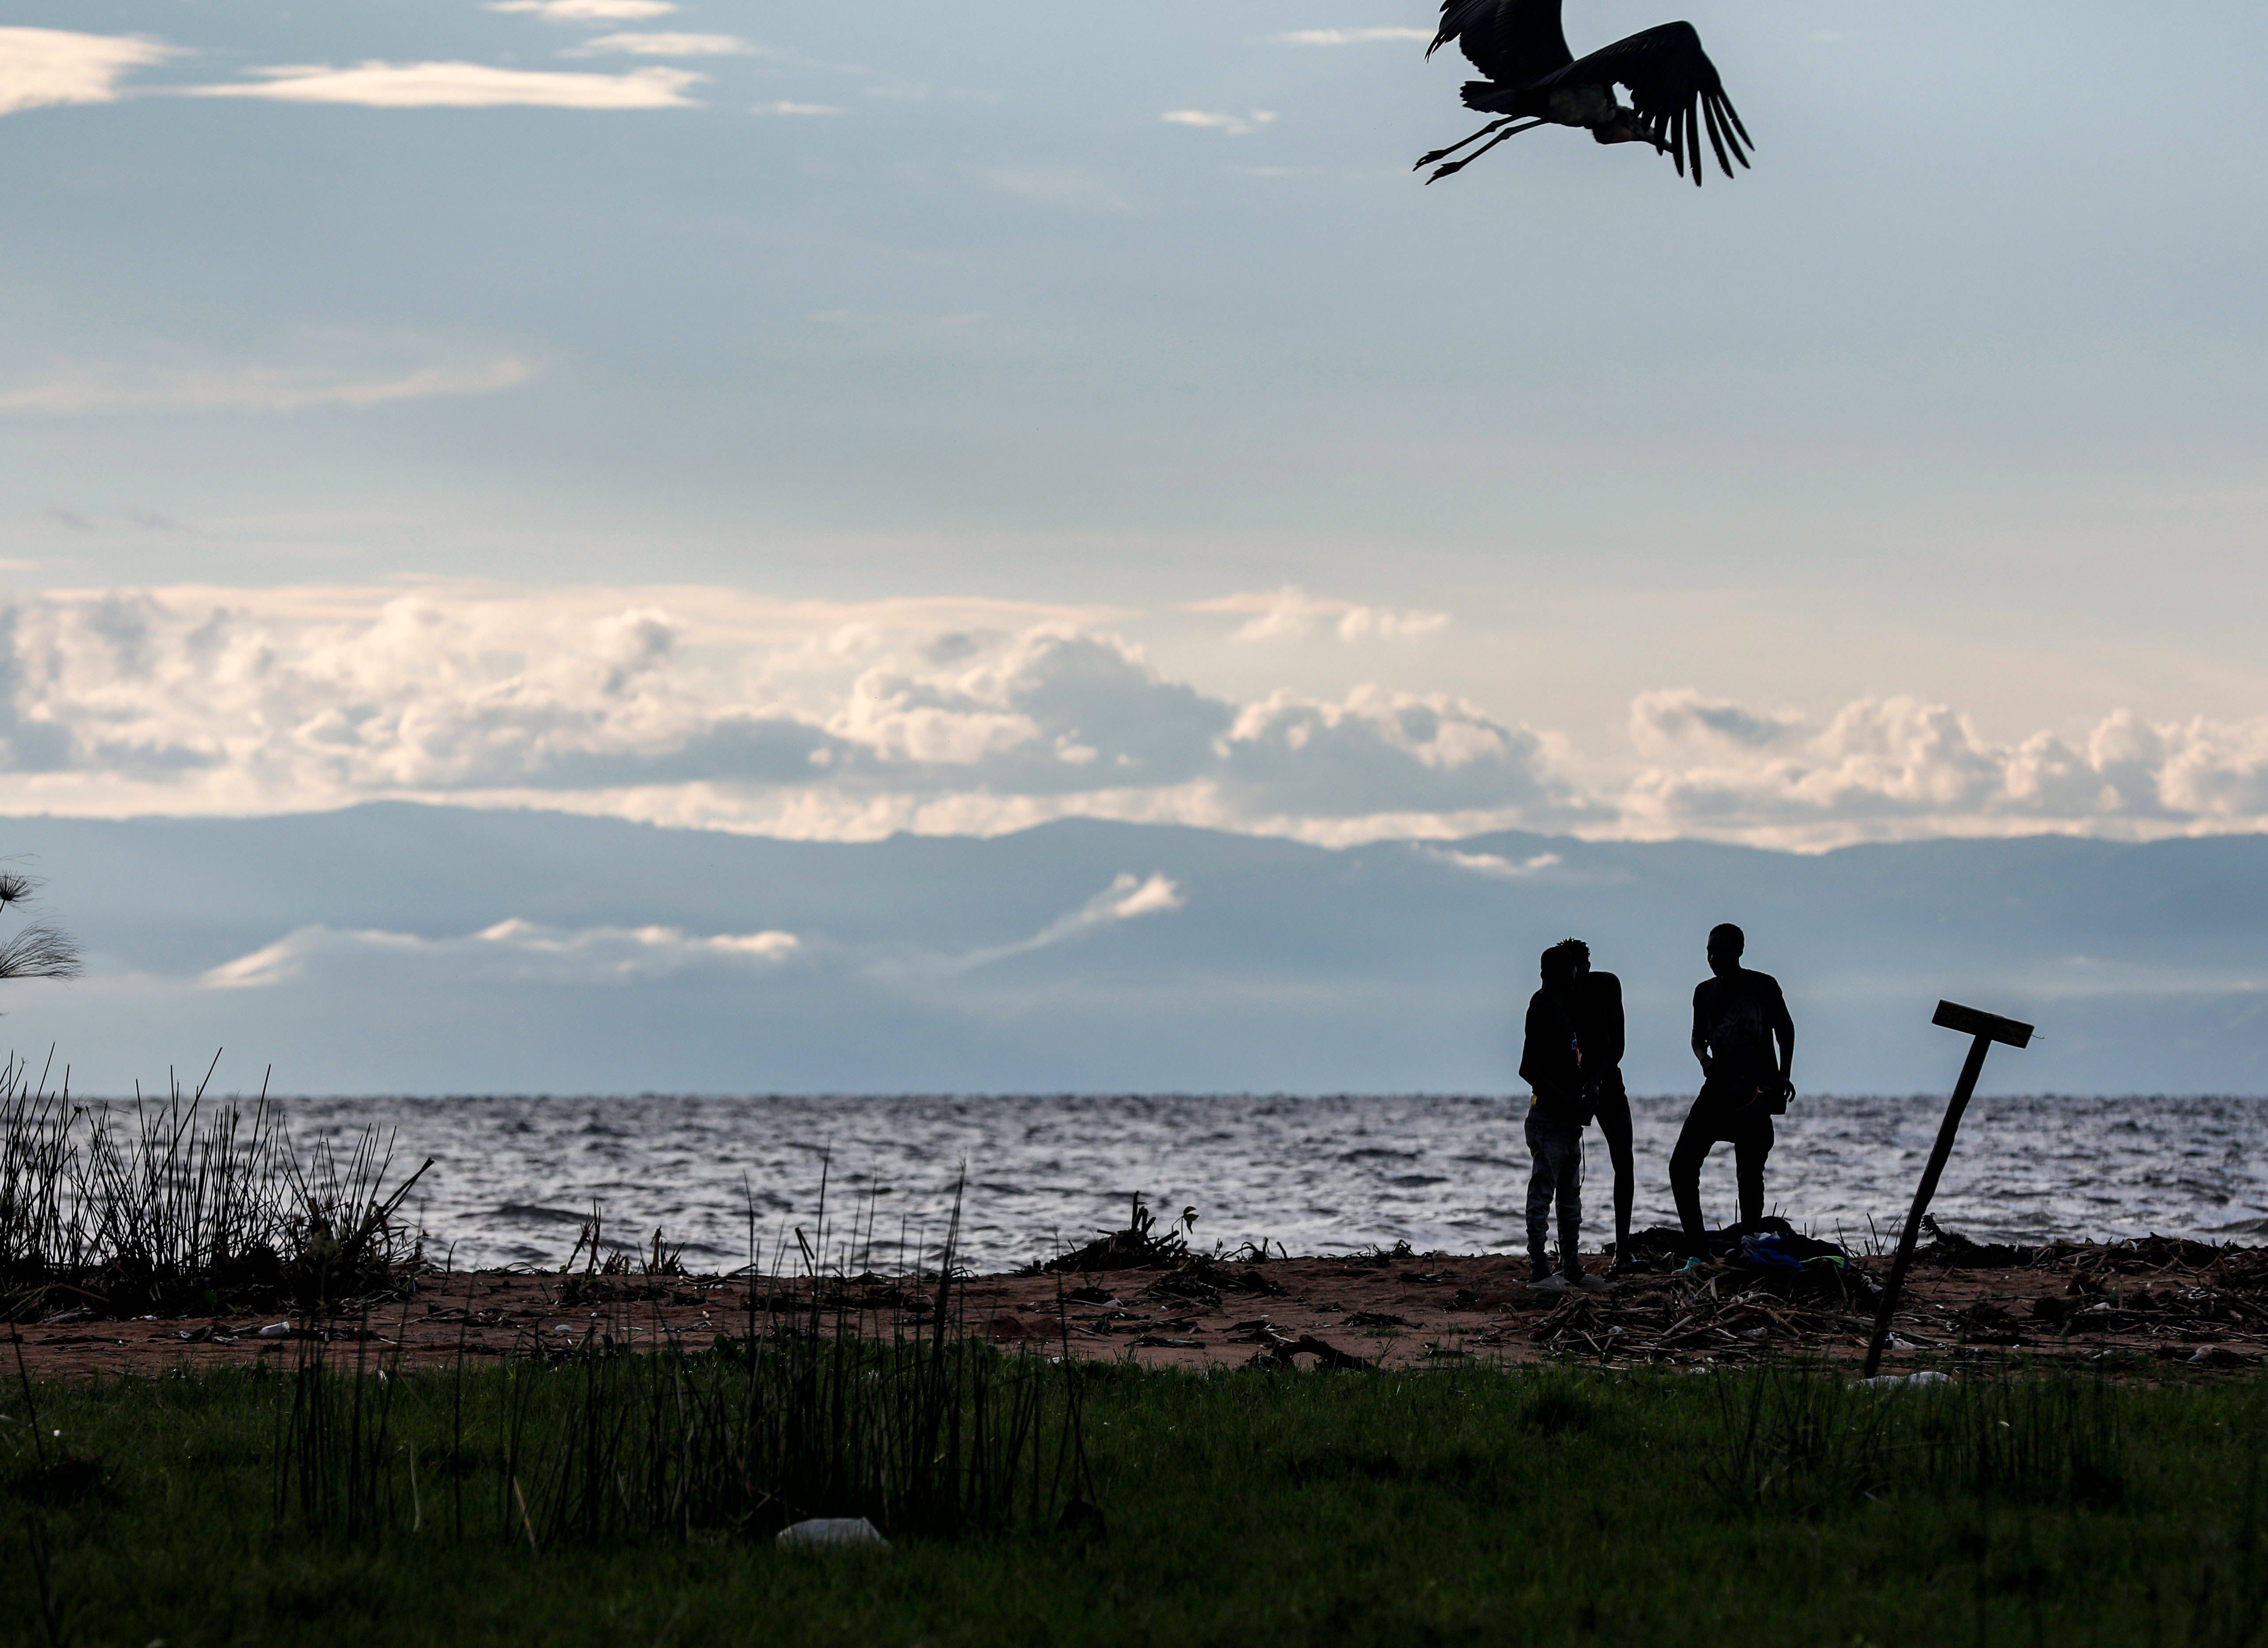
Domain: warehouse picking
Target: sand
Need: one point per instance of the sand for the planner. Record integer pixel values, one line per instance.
(2163, 1303)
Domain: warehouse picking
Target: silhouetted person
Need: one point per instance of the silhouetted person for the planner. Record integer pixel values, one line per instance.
(1746, 1043)
(1551, 1064)
(1598, 1014)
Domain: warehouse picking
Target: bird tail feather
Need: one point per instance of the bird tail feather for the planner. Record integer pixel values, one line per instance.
(1488, 95)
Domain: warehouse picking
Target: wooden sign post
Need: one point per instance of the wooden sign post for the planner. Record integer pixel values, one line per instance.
(1987, 1028)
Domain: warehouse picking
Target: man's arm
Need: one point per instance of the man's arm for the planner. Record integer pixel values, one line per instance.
(1700, 1032)
(1531, 1060)
(1784, 1033)
(1542, 1052)
(1609, 1054)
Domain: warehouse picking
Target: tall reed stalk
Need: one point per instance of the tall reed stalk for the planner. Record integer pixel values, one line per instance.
(171, 1203)
(816, 1409)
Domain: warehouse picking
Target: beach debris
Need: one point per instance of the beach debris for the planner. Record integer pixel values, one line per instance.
(1282, 1348)
(832, 1533)
(275, 1330)
(1140, 1246)
(1953, 1250)
(1887, 1381)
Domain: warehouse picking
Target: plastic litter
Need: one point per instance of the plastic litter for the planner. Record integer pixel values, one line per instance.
(833, 1530)
(276, 1330)
(1926, 1377)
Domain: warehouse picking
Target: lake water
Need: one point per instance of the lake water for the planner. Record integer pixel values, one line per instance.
(515, 1176)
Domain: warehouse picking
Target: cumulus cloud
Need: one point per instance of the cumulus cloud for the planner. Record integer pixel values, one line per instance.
(650, 45)
(703, 708)
(1423, 753)
(1905, 766)
(461, 85)
(1660, 720)
(1290, 613)
(717, 709)
(40, 67)
(1349, 36)
(510, 950)
(587, 11)
(1233, 125)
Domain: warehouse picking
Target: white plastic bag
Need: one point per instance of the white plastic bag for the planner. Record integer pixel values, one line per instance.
(833, 1530)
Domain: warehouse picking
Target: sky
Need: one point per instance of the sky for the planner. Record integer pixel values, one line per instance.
(823, 420)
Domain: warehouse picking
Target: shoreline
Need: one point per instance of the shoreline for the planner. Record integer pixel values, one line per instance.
(2159, 1303)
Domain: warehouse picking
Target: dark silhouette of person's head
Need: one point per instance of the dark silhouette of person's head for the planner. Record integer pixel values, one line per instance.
(1565, 963)
(1726, 944)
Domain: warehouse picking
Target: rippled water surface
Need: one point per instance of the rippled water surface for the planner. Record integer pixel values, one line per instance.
(515, 1175)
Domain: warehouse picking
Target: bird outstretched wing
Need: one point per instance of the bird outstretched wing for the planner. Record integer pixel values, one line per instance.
(1511, 41)
(1676, 91)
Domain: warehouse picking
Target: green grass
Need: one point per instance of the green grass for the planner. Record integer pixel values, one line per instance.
(1453, 1506)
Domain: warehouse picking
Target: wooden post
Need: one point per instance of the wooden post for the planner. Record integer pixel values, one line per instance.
(1987, 1028)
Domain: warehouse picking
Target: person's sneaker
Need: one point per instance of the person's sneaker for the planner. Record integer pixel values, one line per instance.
(1549, 1284)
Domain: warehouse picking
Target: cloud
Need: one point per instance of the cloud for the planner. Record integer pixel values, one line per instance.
(1234, 125)
(834, 723)
(319, 369)
(1127, 898)
(41, 68)
(1659, 720)
(1349, 36)
(638, 45)
(795, 109)
(461, 85)
(1290, 613)
(512, 949)
(1902, 766)
(1430, 753)
(1495, 865)
(713, 708)
(587, 11)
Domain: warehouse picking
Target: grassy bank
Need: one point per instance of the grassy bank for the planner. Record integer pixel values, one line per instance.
(1249, 1507)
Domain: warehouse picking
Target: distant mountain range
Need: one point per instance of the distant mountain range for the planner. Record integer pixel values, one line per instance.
(398, 948)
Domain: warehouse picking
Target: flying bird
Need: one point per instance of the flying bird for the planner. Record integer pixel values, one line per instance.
(1534, 80)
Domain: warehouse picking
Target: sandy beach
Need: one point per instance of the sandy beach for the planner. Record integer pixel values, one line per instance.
(2159, 1304)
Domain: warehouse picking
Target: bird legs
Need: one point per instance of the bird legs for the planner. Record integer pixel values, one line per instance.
(1459, 165)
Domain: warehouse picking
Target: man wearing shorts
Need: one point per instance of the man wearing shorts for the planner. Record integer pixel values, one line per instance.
(1597, 1006)
(1746, 1043)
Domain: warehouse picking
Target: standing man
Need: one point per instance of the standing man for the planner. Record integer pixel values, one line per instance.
(1746, 1043)
(1598, 1011)
(1551, 1064)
